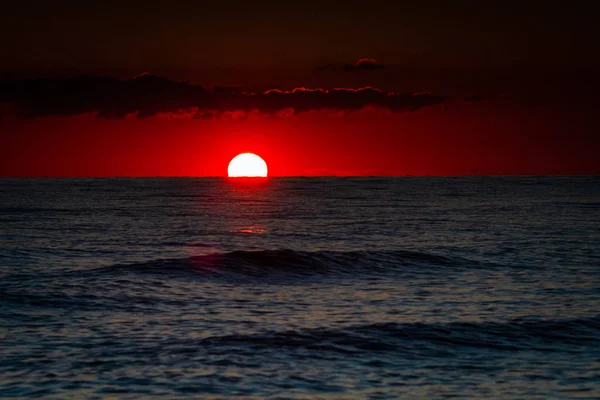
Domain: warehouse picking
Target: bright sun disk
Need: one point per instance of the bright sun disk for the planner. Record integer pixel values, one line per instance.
(247, 165)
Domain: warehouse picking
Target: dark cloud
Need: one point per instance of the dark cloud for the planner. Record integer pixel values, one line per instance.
(149, 95)
(363, 64)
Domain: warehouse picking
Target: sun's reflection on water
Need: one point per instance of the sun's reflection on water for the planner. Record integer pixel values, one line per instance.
(250, 229)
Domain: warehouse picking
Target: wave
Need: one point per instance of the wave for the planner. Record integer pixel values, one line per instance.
(23, 210)
(278, 263)
(423, 338)
(21, 303)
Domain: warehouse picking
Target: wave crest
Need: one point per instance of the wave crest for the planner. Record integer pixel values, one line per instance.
(278, 263)
(424, 338)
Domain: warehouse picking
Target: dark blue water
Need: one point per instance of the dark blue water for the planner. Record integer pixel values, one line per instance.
(300, 288)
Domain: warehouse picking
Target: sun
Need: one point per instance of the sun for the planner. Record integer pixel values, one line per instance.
(247, 165)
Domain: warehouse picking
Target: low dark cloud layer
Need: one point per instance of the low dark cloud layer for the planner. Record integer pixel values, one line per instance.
(149, 95)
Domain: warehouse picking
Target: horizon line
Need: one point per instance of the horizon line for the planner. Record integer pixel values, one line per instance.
(296, 176)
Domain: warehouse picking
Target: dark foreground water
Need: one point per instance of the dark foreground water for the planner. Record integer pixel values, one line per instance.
(300, 288)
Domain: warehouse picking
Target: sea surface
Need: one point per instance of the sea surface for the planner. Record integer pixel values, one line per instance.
(297, 288)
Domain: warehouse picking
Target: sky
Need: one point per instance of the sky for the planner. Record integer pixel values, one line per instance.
(315, 88)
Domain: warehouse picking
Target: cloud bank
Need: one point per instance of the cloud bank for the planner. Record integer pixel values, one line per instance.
(149, 95)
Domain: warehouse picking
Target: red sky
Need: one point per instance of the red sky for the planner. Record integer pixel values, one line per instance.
(534, 67)
(488, 137)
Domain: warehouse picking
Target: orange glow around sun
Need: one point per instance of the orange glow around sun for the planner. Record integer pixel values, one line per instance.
(247, 165)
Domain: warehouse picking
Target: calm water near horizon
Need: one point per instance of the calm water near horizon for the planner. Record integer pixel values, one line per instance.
(333, 288)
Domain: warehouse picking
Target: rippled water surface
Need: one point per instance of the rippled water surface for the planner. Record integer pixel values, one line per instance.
(329, 288)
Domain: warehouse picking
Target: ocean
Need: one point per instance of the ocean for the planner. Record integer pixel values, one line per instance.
(296, 288)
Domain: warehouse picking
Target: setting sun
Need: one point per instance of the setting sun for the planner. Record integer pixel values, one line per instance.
(247, 165)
